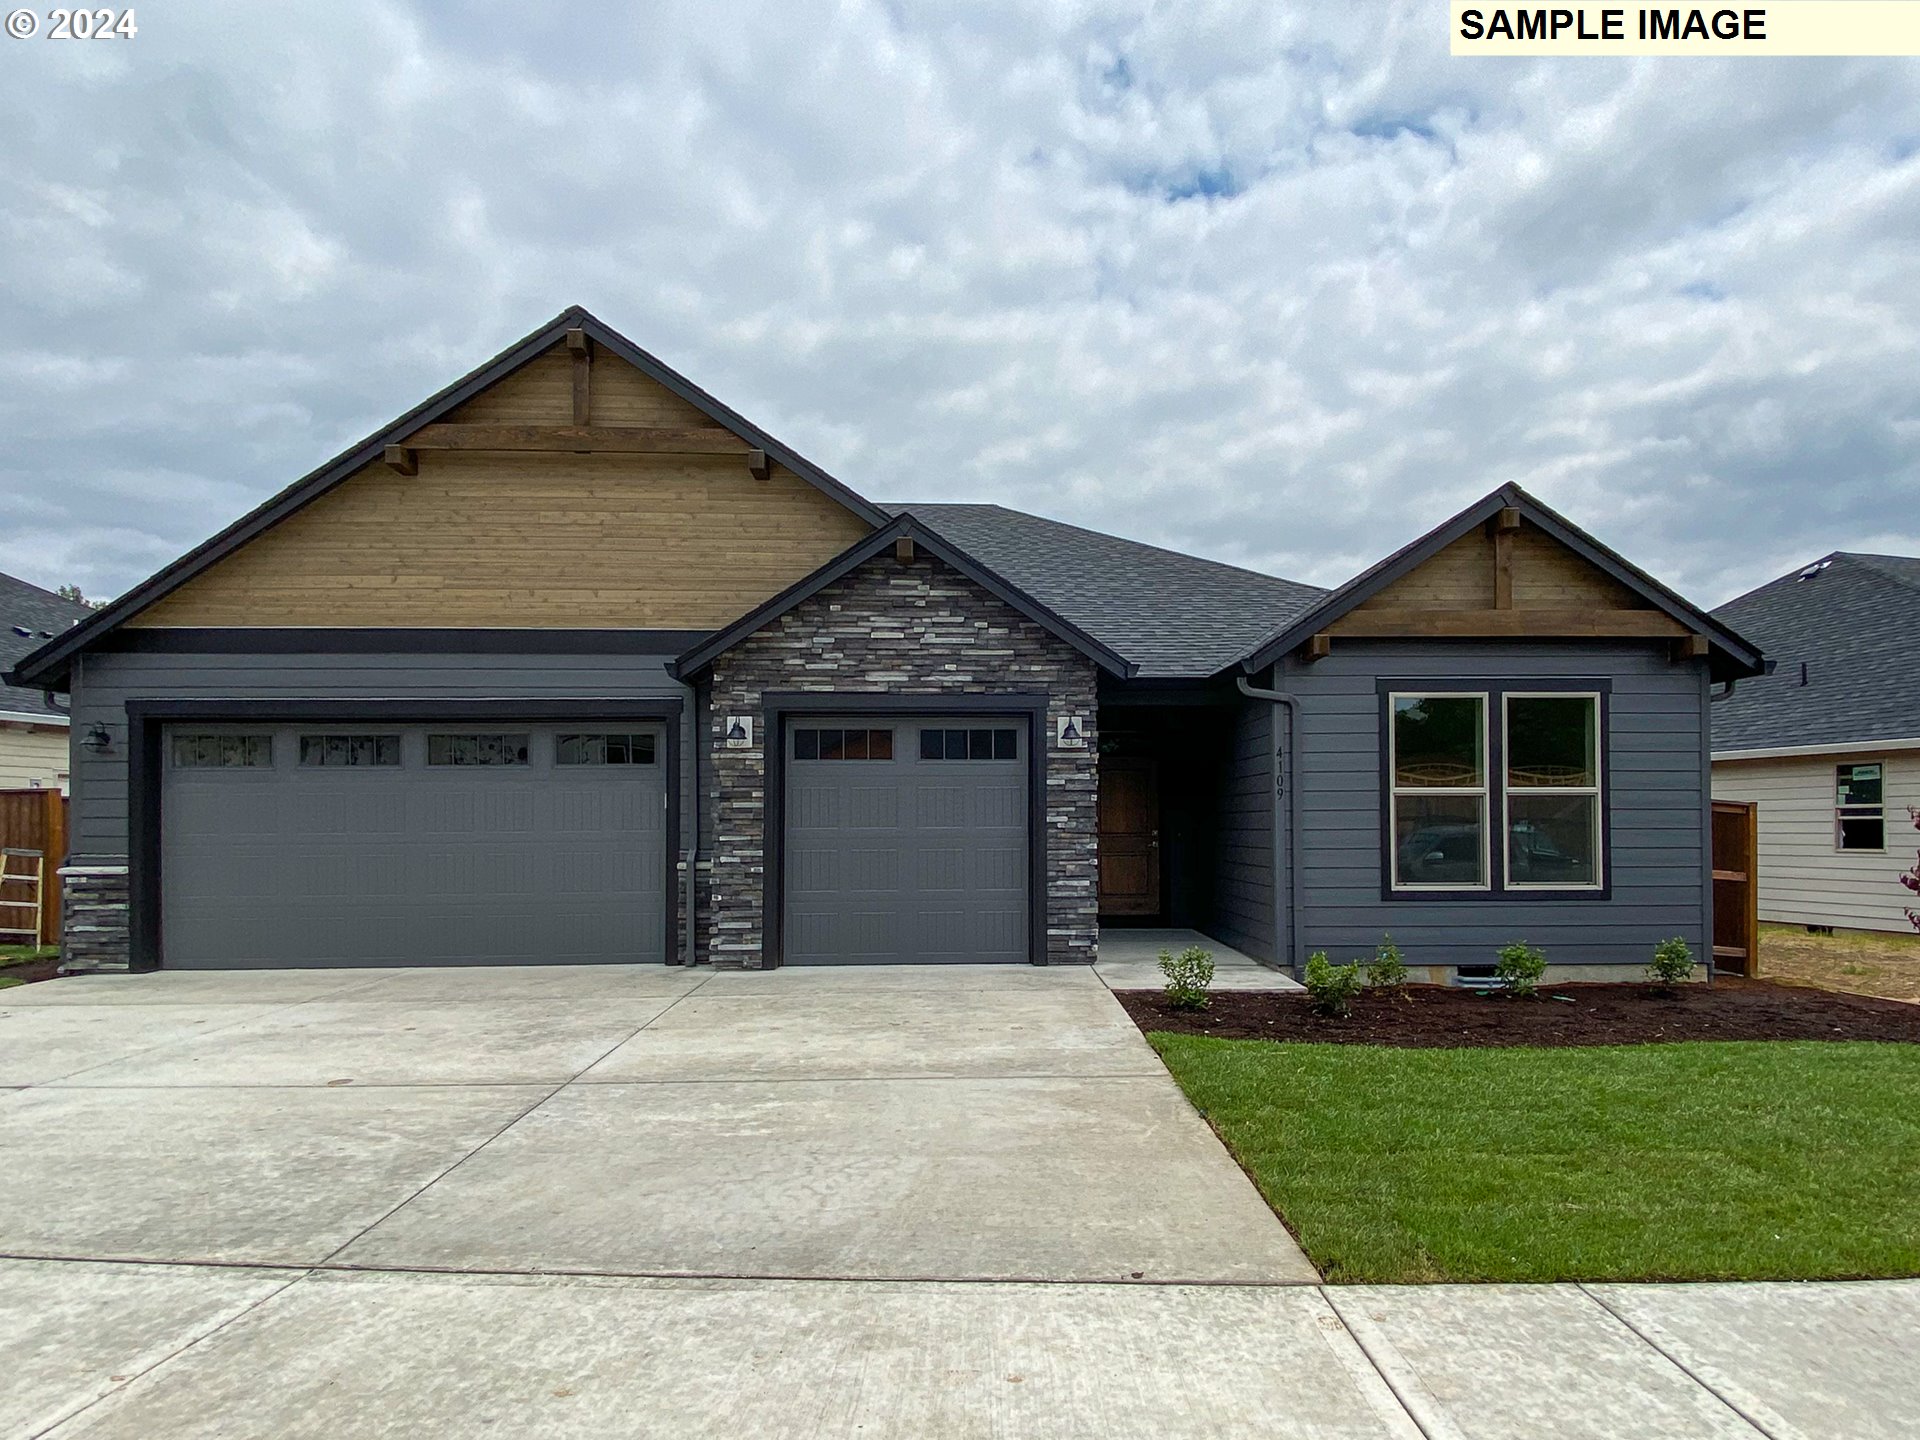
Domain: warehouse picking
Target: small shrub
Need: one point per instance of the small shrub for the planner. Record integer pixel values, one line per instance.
(1188, 975)
(1672, 963)
(1519, 970)
(1330, 987)
(1387, 971)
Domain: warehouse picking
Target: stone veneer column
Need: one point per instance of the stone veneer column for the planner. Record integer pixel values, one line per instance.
(896, 627)
(93, 919)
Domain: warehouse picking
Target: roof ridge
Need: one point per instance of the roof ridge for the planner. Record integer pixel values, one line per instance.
(909, 506)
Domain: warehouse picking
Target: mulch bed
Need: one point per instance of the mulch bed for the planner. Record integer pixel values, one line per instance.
(27, 971)
(1435, 1017)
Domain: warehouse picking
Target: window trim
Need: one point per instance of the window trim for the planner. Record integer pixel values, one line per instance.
(1482, 792)
(1494, 688)
(1598, 790)
(1859, 812)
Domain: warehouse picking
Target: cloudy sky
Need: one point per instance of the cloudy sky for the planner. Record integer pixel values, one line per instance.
(1282, 285)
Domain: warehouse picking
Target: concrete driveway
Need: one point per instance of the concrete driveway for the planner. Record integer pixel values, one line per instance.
(609, 1201)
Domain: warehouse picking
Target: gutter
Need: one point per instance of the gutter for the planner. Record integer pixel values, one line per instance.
(1285, 830)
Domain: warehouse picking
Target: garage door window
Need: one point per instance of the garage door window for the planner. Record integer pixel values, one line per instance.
(604, 750)
(362, 750)
(974, 743)
(476, 749)
(223, 752)
(813, 743)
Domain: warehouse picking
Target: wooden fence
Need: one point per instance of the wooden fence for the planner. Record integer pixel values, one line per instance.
(36, 820)
(1736, 887)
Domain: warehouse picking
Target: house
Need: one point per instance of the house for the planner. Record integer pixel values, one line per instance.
(1828, 746)
(33, 732)
(574, 663)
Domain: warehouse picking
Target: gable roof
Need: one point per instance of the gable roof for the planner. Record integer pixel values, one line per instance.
(48, 663)
(29, 618)
(1854, 622)
(1732, 657)
(902, 527)
(1171, 615)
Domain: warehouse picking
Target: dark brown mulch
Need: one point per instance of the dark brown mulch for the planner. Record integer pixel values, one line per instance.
(1433, 1017)
(27, 971)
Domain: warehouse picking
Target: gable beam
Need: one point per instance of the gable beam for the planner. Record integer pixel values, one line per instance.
(625, 440)
(1509, 624)
(581, 348)
(1504, 525)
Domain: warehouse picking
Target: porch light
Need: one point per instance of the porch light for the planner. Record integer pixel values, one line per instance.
(98, 740)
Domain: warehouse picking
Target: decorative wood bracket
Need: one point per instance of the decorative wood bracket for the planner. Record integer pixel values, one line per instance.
(1318, 647)
(401, 460)
(1691, 647)
(903, 549)
(757, 465)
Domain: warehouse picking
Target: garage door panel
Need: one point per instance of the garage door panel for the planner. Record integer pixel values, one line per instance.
(899, 854)
(398, 864)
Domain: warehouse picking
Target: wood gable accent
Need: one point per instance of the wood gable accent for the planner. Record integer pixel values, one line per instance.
(1506, 579)
(575, 492)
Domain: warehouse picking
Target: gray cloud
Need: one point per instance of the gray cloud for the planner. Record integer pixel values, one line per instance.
(1281, 285)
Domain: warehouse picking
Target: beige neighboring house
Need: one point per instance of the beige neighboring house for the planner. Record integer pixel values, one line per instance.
(1828, 745)
(33, 734)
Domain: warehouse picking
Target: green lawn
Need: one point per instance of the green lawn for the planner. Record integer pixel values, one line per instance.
(11, 955)
(1704, 1161)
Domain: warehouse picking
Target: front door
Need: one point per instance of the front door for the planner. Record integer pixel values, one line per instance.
(1129, 835)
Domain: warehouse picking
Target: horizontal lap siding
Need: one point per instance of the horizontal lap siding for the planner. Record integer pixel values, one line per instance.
(1244, 883)
(1803, 879)
(1654, 759)
(105, 682)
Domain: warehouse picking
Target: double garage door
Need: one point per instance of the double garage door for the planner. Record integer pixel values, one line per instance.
(905, 840)
(309, 845)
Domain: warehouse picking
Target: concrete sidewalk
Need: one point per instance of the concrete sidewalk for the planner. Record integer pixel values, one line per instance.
(639, 1201)
(134, 1352)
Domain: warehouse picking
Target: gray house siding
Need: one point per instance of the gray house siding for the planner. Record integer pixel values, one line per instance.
(1658, 798)
(1244, 885)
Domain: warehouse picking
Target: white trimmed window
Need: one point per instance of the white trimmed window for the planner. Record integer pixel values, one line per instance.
(1437, 768)
(1859, 807)
(1552, 824)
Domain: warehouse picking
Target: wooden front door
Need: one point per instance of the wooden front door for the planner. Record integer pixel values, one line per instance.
(1129, 835)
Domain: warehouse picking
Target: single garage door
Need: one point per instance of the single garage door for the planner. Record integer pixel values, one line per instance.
(427, 844)
(905, 841)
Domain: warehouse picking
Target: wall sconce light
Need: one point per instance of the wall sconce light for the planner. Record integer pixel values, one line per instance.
(98, 740)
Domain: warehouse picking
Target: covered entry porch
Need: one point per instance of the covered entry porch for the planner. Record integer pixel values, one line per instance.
(1187, 833)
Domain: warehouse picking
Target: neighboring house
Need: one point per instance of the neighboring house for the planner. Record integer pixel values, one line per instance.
(33, 733)
(1828, 746)
(573, 663)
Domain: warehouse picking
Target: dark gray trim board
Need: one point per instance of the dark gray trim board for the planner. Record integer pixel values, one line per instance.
(382, 640)
(777, 707)
(48, 661)
(1739, 658)
(906, 527)
(148, 718)
(1497, 887)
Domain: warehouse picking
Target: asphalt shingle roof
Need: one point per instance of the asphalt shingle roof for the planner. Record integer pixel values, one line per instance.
(1173, 615)
(1853, 622)
(29, 617)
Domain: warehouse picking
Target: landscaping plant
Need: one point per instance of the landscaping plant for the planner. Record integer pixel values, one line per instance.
(1387, 971)
(1330, 987)
(1672, 963)
(1188, 975)
(1519, 970)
